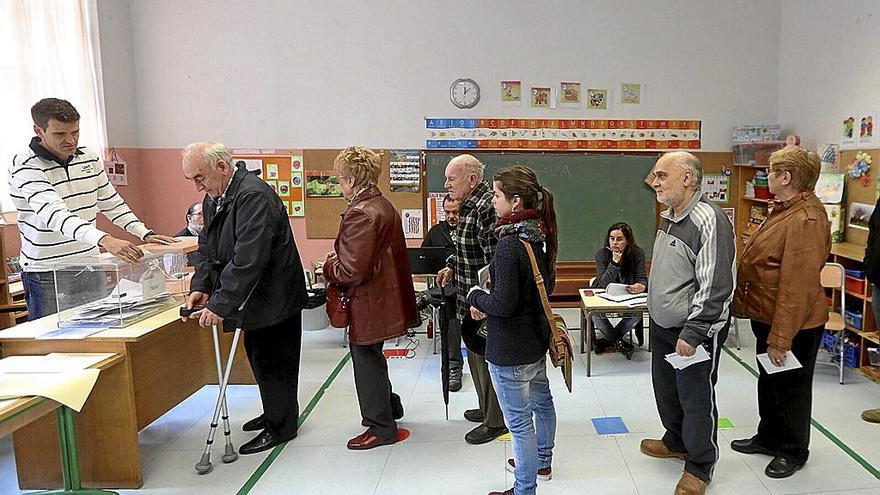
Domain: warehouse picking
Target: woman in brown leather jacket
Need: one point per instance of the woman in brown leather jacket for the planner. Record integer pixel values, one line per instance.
(369, 261)
(778, 289)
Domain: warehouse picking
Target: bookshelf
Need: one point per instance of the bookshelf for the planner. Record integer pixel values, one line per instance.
(850, 255)
(751, 160)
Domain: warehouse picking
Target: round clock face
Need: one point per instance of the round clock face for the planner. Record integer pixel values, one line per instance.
(464, 93)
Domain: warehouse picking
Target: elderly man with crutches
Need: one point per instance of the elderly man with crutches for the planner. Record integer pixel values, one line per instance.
(252, 275)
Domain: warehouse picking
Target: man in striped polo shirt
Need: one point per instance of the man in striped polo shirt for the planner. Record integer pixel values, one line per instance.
(691, 286)
(58, 190)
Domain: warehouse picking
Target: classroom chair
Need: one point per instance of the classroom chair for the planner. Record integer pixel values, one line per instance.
(833, 276)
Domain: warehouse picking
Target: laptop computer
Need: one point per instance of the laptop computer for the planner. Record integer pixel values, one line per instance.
(426, 260)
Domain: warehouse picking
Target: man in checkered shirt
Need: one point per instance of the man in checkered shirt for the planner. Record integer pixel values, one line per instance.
(474, 248)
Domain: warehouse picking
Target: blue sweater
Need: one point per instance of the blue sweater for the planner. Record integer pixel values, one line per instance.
(518, 329)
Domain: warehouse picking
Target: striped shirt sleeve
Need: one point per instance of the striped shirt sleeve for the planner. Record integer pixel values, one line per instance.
(112, 206)
(36, 190)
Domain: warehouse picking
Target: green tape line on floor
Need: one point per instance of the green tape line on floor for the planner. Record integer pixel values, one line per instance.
(264, 466)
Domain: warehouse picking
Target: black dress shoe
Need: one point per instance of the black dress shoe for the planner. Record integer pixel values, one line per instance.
(781, 467)
(600, 344)
(483, 434)
(474, 415)
(263, 441)
(750, 446)
(256, 424)
(454, 380)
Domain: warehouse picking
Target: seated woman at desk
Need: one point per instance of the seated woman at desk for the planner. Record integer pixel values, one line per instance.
(621, 261)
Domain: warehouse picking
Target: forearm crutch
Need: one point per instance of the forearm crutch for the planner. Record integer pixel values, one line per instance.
(204, 465)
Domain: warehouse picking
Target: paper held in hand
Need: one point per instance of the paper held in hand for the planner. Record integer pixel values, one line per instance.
(681, 362)
(791, 363)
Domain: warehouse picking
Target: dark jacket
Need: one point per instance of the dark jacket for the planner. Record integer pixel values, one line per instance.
(872, 251)
(778, 274)
(248, 246)
(372, 265)
(518, 328)
(440, 235)
(609, 272)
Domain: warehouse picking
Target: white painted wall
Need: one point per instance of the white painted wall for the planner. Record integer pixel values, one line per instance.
(117, 63)
(334, 73)
(829, 65)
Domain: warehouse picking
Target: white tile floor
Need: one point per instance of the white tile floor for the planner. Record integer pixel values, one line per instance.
(435, 459)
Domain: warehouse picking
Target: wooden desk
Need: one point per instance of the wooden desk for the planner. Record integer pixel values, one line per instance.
(591, 305)
(165, 361)
(21, 412)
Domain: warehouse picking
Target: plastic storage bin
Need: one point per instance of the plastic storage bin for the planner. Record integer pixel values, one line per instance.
(853, 319)
(855, 273)
(854, 284)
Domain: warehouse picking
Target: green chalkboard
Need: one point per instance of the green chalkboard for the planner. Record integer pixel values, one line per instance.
(592, 191)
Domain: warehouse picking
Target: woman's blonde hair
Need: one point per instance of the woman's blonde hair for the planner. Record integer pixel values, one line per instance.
(803, 165)
(361, 164)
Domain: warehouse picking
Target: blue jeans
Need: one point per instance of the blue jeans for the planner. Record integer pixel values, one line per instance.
(39, 291)
(524, 390)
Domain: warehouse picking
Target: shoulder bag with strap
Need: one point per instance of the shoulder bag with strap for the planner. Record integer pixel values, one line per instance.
(561, 348)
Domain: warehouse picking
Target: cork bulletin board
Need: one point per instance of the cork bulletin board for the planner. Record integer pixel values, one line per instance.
(322, 221)
(857, 193)
(284, 174)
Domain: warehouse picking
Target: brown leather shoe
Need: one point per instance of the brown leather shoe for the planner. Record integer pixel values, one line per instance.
(366, 441)
(690, 485)
(656, 448)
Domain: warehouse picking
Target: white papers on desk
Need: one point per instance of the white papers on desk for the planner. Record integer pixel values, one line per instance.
(791, 363)
(69, 333)
(623, 297)
(681, 362)
(55, 362)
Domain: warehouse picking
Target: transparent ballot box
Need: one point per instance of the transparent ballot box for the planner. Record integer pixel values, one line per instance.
(106, 292)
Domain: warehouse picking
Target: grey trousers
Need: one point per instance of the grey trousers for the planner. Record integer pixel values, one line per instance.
(493, 417)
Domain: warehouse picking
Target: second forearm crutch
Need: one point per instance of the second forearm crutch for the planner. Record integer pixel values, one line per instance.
(204, 465)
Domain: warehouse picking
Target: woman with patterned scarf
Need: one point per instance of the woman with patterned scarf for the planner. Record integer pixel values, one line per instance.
(517, 343)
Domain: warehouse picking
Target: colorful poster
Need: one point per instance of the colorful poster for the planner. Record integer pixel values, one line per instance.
(405, 171)
(322, 184)
(829, 155)
(716, 187)
(297, 209)
(435, 208)
(296, 164)
(860, 215)
(829, 188)
(511, 91)
(848, 136)
(284, 189)
(413, 227)
(570, 134)
(271, 171)
(866, 131)
(597, 99)
(630, 93)
(570, 93)
(540, 97)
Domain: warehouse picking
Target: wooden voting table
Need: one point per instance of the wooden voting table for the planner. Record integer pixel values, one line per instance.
(165, 361)
(23, 411)
(595, 305)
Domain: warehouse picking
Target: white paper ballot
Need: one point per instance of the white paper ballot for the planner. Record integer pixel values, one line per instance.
(483, 277)
(791, 363)
(682, 362)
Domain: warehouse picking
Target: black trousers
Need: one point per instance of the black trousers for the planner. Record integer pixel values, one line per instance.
(375, 397)
(274, 353)
(785, 400)
(686, 400)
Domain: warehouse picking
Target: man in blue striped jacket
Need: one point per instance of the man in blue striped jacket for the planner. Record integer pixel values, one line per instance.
(692, 281)
(58, 189)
